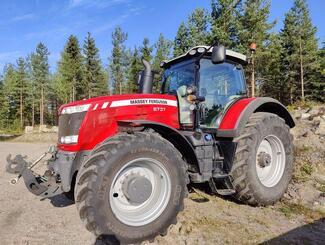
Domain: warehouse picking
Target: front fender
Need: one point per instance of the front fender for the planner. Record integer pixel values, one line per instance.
(236, 117)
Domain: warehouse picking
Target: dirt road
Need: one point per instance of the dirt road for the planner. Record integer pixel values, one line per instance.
(24, 219)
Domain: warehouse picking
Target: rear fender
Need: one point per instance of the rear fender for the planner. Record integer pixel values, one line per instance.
(236, 117)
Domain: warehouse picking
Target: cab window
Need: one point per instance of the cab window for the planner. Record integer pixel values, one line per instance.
(220, 84)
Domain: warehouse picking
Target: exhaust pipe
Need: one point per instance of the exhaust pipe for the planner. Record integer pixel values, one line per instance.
(146, 79)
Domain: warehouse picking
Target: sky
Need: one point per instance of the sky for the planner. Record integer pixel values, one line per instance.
(23, 24)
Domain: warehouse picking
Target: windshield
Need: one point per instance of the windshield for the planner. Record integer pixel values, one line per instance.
(177, 76)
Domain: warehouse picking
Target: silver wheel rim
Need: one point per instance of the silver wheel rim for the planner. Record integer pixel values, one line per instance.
(138, 214)
(270, 161)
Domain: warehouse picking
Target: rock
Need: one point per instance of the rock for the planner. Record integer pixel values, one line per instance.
(321, 128)
(296, 114)
(319, 178)
(314, 112)
(43, 129)
(305, 116)
(29, 129)
(54, 129)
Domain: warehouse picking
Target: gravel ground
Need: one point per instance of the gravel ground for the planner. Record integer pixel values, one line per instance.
(24, 219)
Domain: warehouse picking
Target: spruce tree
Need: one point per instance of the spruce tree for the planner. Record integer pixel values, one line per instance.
(40, 75)
(116, 61)
(94, 77)
(162, 48)
(10, 106)
(181, 42)
(300, 60)
(319, 85)
(224, 22)
(70, 76)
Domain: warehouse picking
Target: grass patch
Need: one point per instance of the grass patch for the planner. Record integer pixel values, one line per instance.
(306, 169)
(292, 209)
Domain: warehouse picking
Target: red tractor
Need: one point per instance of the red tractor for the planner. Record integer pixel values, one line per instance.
(129, 158)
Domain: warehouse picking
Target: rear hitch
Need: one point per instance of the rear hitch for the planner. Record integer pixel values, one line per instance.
(45, 186)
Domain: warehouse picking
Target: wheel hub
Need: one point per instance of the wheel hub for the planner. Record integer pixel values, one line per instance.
(264, 159)
(137, 188)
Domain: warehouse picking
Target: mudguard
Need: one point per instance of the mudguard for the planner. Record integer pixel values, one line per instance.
(238, 114)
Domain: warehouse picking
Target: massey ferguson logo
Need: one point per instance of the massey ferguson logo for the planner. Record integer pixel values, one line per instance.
(148, 101)
(144, 101)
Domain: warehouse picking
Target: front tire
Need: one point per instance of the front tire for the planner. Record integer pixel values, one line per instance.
(263, 163)
(132, 186)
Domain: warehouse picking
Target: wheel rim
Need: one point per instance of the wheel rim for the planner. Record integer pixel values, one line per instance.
(270, 161)
(140, 191)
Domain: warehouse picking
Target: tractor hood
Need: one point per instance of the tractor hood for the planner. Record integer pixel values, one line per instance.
(83, 124)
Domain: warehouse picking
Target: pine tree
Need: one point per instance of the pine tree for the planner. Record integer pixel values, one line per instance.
(94, 76)
(134, 70)
(40, 74)
(69, 80)
(197, 27)
(146, 50)
(181, 42)
(116, 62)
(224, 22)
(22, 87)
(162, 48)
(300, 60)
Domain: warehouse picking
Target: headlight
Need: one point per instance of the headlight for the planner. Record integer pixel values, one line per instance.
(75, 109)
(71, 139)
(192, 52)
(201, 50)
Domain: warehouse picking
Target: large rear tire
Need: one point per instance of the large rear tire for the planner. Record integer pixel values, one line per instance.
(131, 187)
(263, 161)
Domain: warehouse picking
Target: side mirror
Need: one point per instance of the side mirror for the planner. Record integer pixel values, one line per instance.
(218, 54)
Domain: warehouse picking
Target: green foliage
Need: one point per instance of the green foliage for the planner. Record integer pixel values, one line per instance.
(299, 54)
(70, 76)
(198, 27)
(134, 70)
(225, 22)
(116, 62)
(181, 42)
(162, 48)
(94, 75)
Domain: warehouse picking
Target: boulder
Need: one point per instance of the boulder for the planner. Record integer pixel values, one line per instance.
(29, 129)
(305, 116)
(321, 128)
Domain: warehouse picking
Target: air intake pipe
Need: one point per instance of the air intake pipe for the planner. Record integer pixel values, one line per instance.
(146, 79)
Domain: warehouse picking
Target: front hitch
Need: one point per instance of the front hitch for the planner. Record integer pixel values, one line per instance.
(45, 186)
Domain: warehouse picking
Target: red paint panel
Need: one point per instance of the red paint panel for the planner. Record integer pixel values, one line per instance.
(230, 118)
(101, 123)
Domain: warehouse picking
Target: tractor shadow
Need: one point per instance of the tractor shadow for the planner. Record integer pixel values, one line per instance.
(312, 233)
(205, 188)
(61, 201)
(107, 240)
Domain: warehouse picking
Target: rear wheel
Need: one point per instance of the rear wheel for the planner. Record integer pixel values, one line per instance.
(263, 161)
(132, 186)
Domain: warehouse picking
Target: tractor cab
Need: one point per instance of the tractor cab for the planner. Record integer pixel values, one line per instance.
(207, 81)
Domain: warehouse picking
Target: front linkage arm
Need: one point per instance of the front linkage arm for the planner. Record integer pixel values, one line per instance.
(45, 186)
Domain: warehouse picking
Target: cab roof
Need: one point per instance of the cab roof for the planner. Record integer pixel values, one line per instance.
(231, 55)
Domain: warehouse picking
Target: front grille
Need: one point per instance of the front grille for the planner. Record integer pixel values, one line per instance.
(69, 124)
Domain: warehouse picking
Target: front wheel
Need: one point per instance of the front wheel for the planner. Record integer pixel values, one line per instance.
(132, 186)
(263, 161)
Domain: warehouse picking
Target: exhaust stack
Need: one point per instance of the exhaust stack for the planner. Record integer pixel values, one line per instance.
(146, 79)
